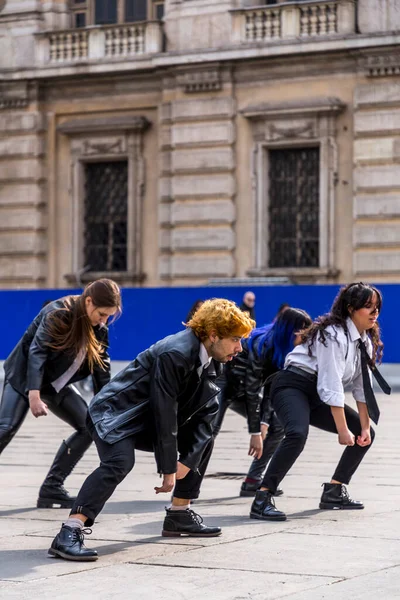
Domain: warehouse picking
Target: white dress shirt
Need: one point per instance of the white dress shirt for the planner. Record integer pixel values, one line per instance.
(204, 359)
(337, 364)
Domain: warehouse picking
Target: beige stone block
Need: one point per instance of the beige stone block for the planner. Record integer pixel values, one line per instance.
(202, 158)
(377, 121)
(378, 176)
(164, 212)
(372, 15)
(210, 265)
(21, 193)
(377, 234)
(201, 238)
(203, 185)
(27, 168)
(202, 134)
(377, 205)
(165, 187)
(24, 242)
(204, 211)
(22, 267)
(377, 262)
(24, 146)
(21, 218)
(374, 149)
(377, 93)
(20, 122)
(164, 239)
(200, 109)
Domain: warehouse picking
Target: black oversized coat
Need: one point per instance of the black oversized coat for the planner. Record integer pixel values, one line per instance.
(33, 365)
(160, 399)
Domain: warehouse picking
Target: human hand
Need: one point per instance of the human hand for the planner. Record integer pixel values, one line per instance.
(264, 430)
(346, 438)
(182, 471)
(168, 483)
(256, 446)
(38, 408)
(365, 438)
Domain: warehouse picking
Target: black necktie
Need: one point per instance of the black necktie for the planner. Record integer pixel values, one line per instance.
(372, 405)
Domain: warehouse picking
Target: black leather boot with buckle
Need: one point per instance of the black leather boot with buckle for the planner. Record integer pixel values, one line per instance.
(264, 509)
(69, 544)
(336, 497)
(187, 522)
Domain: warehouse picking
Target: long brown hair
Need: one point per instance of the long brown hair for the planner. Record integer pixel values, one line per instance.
(356, 296)
(70, 328)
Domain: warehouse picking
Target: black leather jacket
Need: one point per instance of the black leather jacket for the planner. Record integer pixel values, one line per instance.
(160, 397)
(33, 365)
(245, 377)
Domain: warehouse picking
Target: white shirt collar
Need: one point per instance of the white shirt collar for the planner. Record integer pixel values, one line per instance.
(204, 358)
(353, 331)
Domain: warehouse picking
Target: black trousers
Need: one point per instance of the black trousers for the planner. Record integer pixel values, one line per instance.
(116, 461)
(297, 405)
(68, 405)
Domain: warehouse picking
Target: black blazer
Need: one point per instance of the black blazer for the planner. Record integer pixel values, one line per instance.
(159, 397)
(32, 365)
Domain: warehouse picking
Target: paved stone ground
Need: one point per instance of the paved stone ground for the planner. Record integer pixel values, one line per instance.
(313, 555)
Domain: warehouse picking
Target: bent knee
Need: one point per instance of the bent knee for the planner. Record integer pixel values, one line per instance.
(297, 436)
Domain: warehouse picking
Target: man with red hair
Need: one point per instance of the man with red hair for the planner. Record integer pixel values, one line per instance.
(165, 401)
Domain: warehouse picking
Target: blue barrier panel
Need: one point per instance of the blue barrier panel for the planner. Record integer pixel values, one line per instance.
(152, 313)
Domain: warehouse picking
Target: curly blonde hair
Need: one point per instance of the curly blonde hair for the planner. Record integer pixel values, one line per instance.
(223, 317)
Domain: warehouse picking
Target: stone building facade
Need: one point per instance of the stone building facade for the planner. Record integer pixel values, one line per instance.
(170, 143)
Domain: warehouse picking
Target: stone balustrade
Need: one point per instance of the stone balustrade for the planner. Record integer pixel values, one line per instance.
(294, 20)
(115, 41)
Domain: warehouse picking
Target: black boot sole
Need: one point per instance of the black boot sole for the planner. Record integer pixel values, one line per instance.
(262, 518)
(327, 506)
(51, 503)
(175, 534)
(59, 554)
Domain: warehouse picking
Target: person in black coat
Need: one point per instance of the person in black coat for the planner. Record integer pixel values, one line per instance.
(66, 342)
(263, 355)
(165, 402)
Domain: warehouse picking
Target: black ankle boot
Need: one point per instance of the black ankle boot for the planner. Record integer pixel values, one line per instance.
(187, 522)
(68, 544)
(53, 494)
(248, 489)
(264, 508)
(336, 497)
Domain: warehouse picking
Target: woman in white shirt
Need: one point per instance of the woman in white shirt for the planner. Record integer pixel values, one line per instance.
(310, 391)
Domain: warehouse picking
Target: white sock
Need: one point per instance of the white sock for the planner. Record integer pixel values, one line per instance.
(74, 523)
(184, 507)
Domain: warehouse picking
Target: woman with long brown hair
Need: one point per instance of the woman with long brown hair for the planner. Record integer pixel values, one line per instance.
(65, 343)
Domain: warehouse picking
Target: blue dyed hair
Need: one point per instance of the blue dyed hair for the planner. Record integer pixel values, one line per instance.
(278, 336)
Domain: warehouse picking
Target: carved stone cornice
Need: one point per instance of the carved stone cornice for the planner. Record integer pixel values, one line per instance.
(14, 95)
(324, 106)
(201, 80)
(104, 124)
(384, 65)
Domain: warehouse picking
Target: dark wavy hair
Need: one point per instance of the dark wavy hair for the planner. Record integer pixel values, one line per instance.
(278, 337)
(70, 328)
(355, 296)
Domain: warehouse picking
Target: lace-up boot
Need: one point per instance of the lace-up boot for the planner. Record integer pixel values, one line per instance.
(336, 497)
(187, 522)
(264, 509)
(69, 544)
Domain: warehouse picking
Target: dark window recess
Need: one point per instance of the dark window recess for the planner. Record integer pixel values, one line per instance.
(159, 12)
(79, 1)
(80, 19)
(294, 207)
(135, 10)
(105, 12)
(105, 216)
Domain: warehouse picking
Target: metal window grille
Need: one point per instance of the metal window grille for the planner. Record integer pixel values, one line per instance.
(105, 216)
(294, 207)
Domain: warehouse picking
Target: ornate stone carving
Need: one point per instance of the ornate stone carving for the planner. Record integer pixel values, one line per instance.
(206, 80)
(116, 146)
(13, 95)
(306, 131)
(383, 65)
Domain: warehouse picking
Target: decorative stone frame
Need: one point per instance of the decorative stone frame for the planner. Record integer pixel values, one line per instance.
(97, 140)
(290, 125)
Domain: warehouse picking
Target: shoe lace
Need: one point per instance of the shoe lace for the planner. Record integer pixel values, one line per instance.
(78, 534)
(195, 517)
(345, 493)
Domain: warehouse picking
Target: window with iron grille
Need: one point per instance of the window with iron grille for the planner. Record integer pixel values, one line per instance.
(105, 216)
(293, 212)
